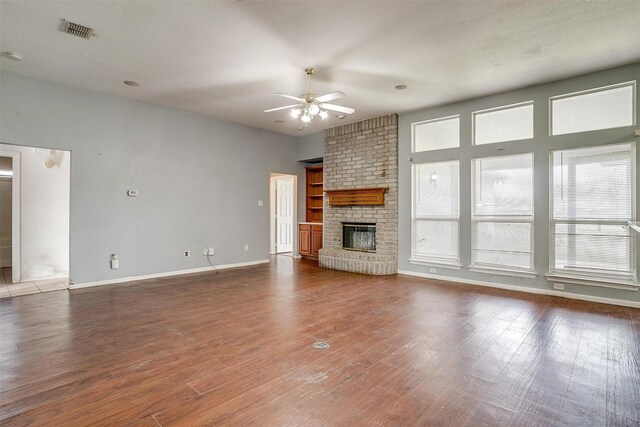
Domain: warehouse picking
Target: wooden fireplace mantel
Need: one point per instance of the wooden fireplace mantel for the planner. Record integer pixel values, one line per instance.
(357, 196)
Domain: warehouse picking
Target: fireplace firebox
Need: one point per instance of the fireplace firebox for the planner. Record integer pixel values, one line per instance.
(359, 236)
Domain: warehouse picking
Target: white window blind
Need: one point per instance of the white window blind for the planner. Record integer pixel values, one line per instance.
(502, 217)
(601, 108)
(509, 123)
(436, 212)
(436, 134)
(592, 201)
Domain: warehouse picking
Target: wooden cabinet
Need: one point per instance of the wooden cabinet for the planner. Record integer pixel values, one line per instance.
(310, 239)
(305, 239)
(316, 239)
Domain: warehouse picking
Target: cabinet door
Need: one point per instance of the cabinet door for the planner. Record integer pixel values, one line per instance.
(316, 242)
(305, 242)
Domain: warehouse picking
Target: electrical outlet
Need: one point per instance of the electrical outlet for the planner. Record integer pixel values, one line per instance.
(115, 264)
(210, 251)
(246, 247)
(187, 253)
(432, 270)
(558, 286)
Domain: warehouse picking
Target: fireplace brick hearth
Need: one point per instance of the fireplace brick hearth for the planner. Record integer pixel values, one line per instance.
(362, 155)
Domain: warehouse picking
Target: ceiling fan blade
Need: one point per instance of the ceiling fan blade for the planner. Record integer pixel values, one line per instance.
(283, 108)
(338, 108)
(330, 96)
(290, 97)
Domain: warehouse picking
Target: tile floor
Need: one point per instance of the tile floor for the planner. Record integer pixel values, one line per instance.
(8, 289)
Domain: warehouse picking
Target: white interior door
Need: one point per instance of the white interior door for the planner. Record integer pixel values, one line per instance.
(284, 215)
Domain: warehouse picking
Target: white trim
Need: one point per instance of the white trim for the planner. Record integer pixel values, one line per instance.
(555, 271)
(595, 281)
(453, 266)
(502, 271)
(501, 108)
(54, 276)
(570, 295)
(504, 219)
(16, 254)
(414, 217)
(439, 119)
(631, 83)
(166, 274)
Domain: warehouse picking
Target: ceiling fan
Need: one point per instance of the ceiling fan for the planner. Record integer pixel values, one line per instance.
(309, 105)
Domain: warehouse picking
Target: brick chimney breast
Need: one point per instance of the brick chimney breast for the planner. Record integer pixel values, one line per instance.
(362, 155)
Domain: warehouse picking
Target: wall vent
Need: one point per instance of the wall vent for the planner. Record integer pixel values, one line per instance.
(76, 29)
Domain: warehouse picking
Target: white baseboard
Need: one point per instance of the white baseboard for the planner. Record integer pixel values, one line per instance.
(526, 289)
(167, 274)
(34, 279)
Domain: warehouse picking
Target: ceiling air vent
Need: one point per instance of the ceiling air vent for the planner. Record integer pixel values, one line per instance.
(76, 29)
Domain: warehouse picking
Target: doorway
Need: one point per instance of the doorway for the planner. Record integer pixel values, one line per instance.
(34, 219)
(283, 209)
(6, 213)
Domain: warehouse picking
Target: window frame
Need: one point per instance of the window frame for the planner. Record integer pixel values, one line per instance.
(502, 108)
(632, 83)
(503, 219)
(435, 261)
(438, 119)
(587, 276)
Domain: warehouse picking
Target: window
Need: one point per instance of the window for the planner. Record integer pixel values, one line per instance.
(592, 201)
(508, 123)
(602, 108)
(436, 134)
(502, 216)
(436, 213)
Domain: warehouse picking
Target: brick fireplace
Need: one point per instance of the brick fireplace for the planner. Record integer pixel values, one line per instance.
(359, 156)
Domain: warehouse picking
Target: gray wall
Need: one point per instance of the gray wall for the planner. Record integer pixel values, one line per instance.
(311, 147)
(540, 146)
(199, 179)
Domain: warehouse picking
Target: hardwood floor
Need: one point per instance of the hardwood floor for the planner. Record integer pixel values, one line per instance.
(236, 349)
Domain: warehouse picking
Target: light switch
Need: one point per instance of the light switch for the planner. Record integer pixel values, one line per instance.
(260, 203)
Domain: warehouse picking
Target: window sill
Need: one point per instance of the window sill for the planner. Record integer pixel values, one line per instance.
(503, 271)
(557, 277)
(453, 266)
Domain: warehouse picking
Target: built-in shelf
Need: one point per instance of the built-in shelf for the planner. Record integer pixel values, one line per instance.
(310, 234)
(314, 193)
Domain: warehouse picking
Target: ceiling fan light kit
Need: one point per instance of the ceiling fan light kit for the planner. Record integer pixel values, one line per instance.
(310, 105)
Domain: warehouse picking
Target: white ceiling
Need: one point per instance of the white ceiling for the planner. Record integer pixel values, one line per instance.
(226, 59)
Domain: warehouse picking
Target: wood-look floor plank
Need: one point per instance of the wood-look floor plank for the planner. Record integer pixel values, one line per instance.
(235, 349)
(623, 369)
